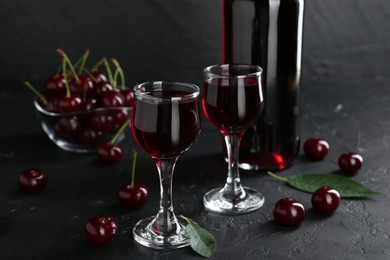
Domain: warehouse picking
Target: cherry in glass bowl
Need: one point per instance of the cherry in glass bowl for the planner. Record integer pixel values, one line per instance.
(84, 130)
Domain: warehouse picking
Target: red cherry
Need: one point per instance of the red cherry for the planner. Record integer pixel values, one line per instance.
(128, 96)
(288, 212)
(316, 148)
(133, 197)
(101, 89)
(69, 104)
(32, 181)
(102, 121)
(100, 229)
(67, 127)
(90, 104)
(112, 98)
(55, 85)
(84, 85)
(120, 117)
(51, 105)
(90, 137)
(325, 199)
(109, 152)
(350, 162)
(100, 77)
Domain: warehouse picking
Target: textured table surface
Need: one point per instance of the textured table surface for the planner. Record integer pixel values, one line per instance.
(345, 100)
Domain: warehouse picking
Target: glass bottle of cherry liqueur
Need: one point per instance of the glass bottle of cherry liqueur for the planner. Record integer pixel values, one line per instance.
(268, 33)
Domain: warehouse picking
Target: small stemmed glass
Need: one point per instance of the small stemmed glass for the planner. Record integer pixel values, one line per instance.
(165, 123)
(232, 100)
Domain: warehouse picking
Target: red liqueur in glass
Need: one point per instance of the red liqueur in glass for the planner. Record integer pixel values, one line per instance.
(162, 136)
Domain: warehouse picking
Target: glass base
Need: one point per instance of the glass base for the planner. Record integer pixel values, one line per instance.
(144, 234)
(271, 162)
(214, 202)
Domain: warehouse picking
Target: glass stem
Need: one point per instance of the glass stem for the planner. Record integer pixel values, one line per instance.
(233, 191)
(165, 223)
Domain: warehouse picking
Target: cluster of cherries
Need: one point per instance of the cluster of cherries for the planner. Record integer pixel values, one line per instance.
(290, 212)
(72, 91)
(87, 104)
(101, 229)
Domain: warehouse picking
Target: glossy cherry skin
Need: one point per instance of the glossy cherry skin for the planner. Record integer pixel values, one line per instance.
(112, 98)
(90, 104)
(32, 180)
(350, 162)
(100, 229)
(67, 127)
(325, 200)
(90, 137)
(316, 148)
(101, 89)
(69, 104)
(55, 85)
(133, 197)
(52, 103)
(128, 96)
(120, 117)
(108, 152)
(99, 77)
(102, 121)
(84, 85)
(288, 212)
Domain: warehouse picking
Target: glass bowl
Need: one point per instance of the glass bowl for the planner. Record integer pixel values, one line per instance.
(83, 131)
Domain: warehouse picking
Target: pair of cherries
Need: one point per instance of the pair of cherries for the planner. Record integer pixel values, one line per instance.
(290, 212)
(101, 229)
(317, 149)
(34, 180)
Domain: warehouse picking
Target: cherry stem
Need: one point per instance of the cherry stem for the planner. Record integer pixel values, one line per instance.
(121, 129)
(40, 96)
(63, 54)
(98, 64)
(120, 70)
(115, 77)
(77, 63)
(83, 61)
(186, 219)
(277, 177)
(90, 75)
(133, 169)
(65, 77)
(108, 72)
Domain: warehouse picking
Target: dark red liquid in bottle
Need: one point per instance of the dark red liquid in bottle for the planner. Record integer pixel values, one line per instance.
(233, 105)
(166, 129)
(268, 33)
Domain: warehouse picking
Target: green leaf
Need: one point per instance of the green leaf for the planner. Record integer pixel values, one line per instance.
(311, 182)
(202, 241)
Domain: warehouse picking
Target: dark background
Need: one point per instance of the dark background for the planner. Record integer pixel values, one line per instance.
(175, 39)
(345, 100)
